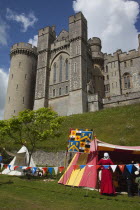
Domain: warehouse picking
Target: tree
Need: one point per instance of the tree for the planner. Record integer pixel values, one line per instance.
(31, 127)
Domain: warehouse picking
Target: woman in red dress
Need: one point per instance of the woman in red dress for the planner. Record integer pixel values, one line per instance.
(106, 186)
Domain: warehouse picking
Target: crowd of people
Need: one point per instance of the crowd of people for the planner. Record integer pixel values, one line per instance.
(106, 181)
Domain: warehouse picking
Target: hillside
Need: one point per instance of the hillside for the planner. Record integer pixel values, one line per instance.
(120, 125)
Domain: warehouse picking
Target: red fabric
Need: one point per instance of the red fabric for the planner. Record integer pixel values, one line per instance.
(106, 185)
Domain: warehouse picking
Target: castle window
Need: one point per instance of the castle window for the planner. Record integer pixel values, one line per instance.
(116, 84)
(66, 89)
(107, 88)
(54, 73)
(106, 69)
(19, 64)
(111, 65)
(127, 80)
(53, 92)
(9, 100)
(131, 62)
(107, 77)
(23, 100)
(17, 87)
(60, 70)
(14, 111)
(114, 64)
(67, 70)
(75, 67)
(125, 65)
(25, 76)
(60, 91)
(112, 85)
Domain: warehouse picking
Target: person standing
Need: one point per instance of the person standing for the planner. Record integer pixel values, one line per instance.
(106, 184)
(137, 180)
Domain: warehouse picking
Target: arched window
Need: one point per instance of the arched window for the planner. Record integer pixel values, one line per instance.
(60, 70)
(75, 67)
(131, 62)
(67, 70)
(60, 91)
(53, 92)
(106, 69)
(66, 89)
(127, 80)
(54, 73)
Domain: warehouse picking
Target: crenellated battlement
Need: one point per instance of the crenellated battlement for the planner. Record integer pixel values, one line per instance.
(45, 30)
(94, 41)
(76, 17)
(24, 48)
(122, 55)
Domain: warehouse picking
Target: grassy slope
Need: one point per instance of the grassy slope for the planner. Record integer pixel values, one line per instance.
(17, 193)
(120, 125)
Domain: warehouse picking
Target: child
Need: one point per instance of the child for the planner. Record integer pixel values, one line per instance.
(137, 180)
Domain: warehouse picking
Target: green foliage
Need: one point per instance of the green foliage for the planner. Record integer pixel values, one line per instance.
(31, 128)
(118, 125)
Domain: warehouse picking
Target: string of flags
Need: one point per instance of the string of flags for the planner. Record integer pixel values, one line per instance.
(61, 168)
(35, 169)
(113, 167)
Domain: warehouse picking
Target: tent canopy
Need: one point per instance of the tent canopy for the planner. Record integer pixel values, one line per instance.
(87, 176)
(21, 158)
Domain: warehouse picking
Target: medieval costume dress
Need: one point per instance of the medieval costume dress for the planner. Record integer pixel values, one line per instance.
(106, 185)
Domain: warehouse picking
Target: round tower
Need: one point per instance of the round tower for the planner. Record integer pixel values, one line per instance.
(21, 84)
(95, 46)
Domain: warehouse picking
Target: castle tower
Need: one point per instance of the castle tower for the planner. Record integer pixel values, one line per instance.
(78, 64)
(21, 84)
(46, 37)
(98, 60)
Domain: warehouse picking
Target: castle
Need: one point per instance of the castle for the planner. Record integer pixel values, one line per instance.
(70, 73)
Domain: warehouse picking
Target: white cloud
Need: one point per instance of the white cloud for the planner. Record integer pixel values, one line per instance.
(113, 21)
(25, 20)
(3, 32)
(3, 90)
(34, 40)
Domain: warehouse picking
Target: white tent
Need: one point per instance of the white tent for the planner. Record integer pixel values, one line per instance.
(21, 158)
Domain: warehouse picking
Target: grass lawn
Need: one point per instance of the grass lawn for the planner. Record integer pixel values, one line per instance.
(20, 193)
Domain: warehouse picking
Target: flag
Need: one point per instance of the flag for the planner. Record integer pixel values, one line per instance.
(44, 170)
(15, 167)
(55, 170)
(34, 170)
(61, 168)
(75, 167)
(98, 166)
(113, 167)
(106, 166)
(129, 168)
(50, 170)
(82, 166)
(121, 167)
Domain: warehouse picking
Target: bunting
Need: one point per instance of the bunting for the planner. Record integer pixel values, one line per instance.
(129, 167)
(61, 168)
(121, 167)
(113, 167)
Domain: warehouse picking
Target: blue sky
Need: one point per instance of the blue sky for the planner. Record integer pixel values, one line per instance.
(116, 22)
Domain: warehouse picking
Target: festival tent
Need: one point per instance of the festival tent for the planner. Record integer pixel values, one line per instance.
(82, 171)
(21, 159)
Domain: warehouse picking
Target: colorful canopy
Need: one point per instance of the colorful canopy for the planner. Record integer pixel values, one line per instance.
(86, 176)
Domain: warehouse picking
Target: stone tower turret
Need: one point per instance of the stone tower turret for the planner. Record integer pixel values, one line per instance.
(98, 62)
(21, 84)
(78, 64)
(46, 37)
(95, 46)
